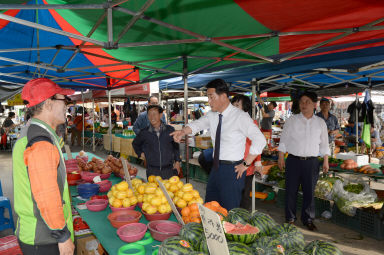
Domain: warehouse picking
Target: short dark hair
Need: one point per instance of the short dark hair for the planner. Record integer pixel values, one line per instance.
(36, 109)
(274, 104)
(149, 98)
(311, 95)
(245, 102)
(158, 107)
(219, 85)
(11, 114)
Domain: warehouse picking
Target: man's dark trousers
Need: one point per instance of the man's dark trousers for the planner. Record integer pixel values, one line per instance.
(224, 187)
(166, 172)
(306, 173)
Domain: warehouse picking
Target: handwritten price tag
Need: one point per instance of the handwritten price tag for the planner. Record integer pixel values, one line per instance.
(214, 232)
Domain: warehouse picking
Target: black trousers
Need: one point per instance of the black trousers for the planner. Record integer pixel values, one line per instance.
(49, 249)
(165, 172)
(305, 173)
(246, 200)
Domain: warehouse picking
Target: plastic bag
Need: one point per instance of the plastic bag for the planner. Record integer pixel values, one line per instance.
(324, 190)
(345, 200)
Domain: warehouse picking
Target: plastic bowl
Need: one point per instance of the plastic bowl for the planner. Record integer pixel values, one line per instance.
(132, 232)
(104, 185)
(168, 227)
(96, 205)
(87, 190)
(118, 209)
(88, 176)
(159, 235)
(121, 218)
(105, 176)
(157, 216)
(105, 197)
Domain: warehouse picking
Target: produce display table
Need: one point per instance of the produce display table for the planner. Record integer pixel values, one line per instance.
(100, 225)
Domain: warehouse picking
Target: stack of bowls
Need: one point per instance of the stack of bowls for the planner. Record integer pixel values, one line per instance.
(163, 229)
(87, 190)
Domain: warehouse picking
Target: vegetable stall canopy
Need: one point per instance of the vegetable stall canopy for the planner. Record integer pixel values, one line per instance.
(345, 73)
(80, 42)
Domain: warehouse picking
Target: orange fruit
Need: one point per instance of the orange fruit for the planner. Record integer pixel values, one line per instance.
(194, 214)
(215, 204)
(194, 207)
(223, 211)
(185, 211)
(195, 219)
(185, 219)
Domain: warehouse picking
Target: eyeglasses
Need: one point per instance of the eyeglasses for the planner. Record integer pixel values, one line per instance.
(66, 99)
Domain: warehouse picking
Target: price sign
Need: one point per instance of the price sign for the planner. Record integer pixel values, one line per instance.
(126, 173)
(214, 232)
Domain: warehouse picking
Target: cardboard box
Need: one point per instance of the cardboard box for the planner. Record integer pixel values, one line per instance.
(203, 142)
(89, 245)
(360, 159)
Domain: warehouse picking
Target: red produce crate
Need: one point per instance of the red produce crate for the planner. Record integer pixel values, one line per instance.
(9, 246)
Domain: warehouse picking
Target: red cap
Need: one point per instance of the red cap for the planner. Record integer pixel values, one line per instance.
(38, 90)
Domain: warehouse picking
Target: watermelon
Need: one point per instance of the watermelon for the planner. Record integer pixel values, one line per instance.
(289, 236)
(192, 232)
(295, 252)
(236, 248)
(203, 246)
(240, 233)
(175, 246)
(266, 245)
(198, 253)
(238, 215)
(263, 222)
(318, 247)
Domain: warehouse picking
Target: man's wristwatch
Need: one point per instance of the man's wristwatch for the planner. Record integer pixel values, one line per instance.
(245, 164)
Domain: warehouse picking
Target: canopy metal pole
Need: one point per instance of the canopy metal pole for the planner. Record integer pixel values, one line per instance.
(93, 123)
(49, 29)
(109, 122)
(357, 124)
(82, 98)
(185, 78)
(168, 114)
(253, 98)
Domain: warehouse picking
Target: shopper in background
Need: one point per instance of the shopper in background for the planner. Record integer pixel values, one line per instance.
(142, 120)
(155, 144)
(244, 103)
(41, 194)
(330, 119)
(76, 130)
(268, 114)
(304, 138)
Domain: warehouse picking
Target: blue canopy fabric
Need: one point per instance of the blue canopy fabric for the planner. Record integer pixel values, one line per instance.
(347, 66)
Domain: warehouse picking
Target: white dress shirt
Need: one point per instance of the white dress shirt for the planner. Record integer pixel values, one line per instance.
(304, 137)
(236, 126)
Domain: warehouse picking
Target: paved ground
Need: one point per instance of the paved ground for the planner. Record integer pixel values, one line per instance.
(350, 242)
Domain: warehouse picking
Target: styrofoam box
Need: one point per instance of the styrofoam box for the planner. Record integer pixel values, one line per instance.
(360, 159)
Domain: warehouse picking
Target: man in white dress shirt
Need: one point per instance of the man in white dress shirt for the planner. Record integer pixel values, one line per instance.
(229, 128)
(304, 137)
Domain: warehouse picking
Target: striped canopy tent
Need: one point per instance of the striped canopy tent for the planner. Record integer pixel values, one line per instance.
(80, 43)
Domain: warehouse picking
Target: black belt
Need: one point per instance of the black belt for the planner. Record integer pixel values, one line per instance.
(302, 158)
(228, 162)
